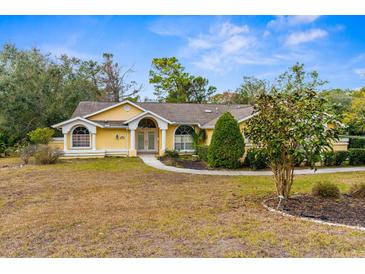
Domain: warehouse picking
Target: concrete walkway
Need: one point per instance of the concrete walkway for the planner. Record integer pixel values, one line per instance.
(151, 160)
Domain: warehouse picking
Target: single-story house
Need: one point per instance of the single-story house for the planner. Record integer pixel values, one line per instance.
(99, 129)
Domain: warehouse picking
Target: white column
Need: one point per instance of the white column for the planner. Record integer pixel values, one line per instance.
(64, 142)
(133, 139)
(93, 141)
(163, 141)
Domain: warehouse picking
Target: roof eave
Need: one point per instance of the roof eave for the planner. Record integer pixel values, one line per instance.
(59, 125)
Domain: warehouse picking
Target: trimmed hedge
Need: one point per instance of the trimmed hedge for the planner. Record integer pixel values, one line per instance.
(227, 145)
(356, 156)
(356, 143)
(255, 159)
(202, 152)
(335, 158)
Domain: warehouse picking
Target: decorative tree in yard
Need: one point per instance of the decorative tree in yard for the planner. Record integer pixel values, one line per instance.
(291, 124)
(227, 145)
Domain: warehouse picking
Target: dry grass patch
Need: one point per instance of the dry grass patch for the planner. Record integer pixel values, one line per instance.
(119, 207)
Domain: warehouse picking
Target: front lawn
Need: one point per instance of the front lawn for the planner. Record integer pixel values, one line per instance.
(122, 208)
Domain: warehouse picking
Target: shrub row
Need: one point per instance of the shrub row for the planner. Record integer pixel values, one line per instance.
(335, 158)
(356, 143)
(356, 156)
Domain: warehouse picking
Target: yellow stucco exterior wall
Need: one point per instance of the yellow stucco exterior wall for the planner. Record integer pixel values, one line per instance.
(209, 134)
(170, 137)
(111, 138)
(119, 139)
(117, 114)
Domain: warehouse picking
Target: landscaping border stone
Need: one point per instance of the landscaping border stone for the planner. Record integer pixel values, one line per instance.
(309, 219)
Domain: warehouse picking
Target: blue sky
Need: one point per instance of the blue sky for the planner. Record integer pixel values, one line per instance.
(220, 48)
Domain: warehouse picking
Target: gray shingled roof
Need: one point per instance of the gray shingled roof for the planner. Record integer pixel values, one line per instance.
(174, 112)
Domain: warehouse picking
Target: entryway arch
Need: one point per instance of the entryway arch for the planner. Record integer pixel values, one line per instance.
(147, 136)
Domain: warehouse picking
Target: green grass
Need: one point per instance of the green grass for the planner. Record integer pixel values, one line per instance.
(119, 207)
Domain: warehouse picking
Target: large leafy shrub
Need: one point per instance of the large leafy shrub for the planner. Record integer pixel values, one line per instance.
(46, 155)
(256, 159)
(41, 135)
(289, 125)
(326, 190)
(227, 145)
(202, 152)
(356, 156)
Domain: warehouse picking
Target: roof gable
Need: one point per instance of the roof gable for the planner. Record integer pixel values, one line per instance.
(117, 112)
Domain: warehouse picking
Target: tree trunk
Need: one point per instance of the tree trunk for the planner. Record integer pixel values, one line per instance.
(283, 175)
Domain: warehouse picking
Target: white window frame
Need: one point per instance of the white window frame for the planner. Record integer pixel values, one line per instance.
(192, 142)
(72, 136)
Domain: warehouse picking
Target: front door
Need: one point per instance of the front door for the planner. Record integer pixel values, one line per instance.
(146, 140)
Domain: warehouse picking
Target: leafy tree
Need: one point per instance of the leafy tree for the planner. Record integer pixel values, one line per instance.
(247, 93)
(41, 135)
(199, 91)
(290, 125)
(227, 145)
(114, 81)
(250, 90)
(355, 117)
(227, 97)
(38, 90)
(173, 84)
(339, 100)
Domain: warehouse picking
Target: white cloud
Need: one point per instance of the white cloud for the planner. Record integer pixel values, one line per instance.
(200, 43)
(360, 71)
(266, 33)
(289, 21)
(234, 44)
(222, 44)
(302, 19)
(228, 29)
(301, 37)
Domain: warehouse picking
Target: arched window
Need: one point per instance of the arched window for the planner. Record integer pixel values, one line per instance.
(146, 123)
(80, 137)
(184, 138)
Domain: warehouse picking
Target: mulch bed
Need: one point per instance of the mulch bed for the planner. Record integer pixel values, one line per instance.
(183, 163)
(346, 210)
